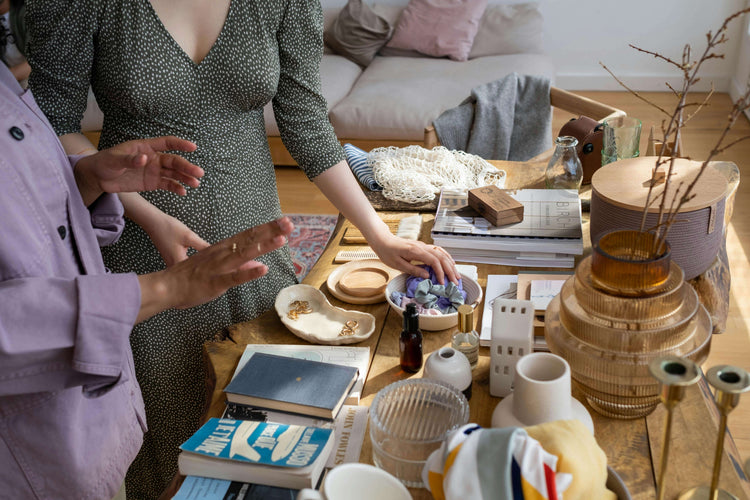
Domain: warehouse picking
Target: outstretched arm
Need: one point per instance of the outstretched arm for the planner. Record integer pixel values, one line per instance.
(340, 186)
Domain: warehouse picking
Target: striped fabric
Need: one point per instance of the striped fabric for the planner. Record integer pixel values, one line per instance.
(482, 464)
(357, 160)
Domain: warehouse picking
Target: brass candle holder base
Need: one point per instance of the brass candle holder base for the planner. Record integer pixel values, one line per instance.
(674, 374)
(704, 493)
(728, 383)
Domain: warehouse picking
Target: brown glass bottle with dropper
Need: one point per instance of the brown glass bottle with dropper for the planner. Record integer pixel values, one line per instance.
(410, 342)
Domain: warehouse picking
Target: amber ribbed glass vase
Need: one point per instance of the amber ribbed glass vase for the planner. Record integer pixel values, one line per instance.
(626, 304)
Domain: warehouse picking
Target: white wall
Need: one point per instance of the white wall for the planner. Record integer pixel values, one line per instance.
(579, 34)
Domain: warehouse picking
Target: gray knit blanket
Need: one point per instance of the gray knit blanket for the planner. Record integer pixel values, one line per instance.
(508, 119)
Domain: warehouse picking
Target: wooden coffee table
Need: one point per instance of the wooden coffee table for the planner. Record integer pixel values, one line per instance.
(633, 447)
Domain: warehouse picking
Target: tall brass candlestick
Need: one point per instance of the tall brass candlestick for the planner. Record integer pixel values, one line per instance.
(728, 383)
(674, 375)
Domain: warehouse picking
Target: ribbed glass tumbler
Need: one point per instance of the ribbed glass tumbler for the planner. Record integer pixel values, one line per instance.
(625, 305)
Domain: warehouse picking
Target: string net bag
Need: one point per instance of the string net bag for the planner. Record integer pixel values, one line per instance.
(414, 174)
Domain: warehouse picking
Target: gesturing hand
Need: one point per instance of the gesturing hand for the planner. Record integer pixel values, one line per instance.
(209, 273)
(138, 165)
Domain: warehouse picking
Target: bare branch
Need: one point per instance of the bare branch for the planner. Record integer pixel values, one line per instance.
(657, 56)
(636, 94)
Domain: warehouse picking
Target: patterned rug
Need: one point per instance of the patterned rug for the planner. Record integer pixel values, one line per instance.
(309, 238)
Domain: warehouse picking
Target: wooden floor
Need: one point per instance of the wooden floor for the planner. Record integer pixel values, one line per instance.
(298, 195)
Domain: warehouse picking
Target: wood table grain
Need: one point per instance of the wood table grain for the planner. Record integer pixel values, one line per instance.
(633, 447)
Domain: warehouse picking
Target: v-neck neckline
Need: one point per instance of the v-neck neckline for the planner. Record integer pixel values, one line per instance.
(179, 47)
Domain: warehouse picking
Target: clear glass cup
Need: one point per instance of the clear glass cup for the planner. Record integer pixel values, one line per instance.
(564, 170)
(409, 419)
(622, 137)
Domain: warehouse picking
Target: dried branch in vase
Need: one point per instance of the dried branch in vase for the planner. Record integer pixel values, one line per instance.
(671, 129)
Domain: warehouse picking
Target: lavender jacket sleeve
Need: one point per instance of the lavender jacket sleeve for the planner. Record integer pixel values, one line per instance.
(64, 321)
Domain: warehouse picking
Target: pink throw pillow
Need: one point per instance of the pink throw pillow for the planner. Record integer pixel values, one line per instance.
(439, 27)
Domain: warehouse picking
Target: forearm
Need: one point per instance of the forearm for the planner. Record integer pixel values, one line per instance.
(78, 144)
(155, 295)
(140, 210)
(341, 188)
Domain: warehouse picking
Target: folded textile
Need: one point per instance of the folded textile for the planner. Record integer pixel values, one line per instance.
(482, 464)
(431, 294)
(358, 162)
(508, 119)
(558, 459)
(579, 454)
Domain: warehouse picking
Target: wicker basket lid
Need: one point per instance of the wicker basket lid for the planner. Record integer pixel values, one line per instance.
(625, 184)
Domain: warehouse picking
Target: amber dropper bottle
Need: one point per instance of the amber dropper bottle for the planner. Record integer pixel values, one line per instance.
(410, 342)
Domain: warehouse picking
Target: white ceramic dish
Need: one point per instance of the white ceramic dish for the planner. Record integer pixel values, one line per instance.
(324, 324)
(441, 321)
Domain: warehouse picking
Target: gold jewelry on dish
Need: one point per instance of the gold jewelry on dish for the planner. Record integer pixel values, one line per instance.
(234, 247)
(349, 328)
(298, 307)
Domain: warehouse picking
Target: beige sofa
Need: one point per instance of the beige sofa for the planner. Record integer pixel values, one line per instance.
(393, 99)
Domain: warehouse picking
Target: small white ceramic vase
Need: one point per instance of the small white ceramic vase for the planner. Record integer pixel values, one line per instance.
(451, 366)
(541, 393)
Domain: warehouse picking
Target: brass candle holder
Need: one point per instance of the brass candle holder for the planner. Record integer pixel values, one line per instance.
(674, 375)
(728, 383)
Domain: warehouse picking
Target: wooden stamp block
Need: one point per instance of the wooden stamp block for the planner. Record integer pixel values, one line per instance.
(495, 205)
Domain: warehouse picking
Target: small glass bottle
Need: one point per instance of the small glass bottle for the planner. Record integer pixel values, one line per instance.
(564, 170)
(410, 342)
(466, 339)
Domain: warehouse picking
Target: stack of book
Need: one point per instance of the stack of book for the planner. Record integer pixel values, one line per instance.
(550, 234)
(286, 419)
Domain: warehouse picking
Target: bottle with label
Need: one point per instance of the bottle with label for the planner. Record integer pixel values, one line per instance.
(466, 339)
(410, 342)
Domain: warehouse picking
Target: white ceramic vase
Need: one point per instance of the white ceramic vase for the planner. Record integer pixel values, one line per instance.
(541, 393)
(451, 366)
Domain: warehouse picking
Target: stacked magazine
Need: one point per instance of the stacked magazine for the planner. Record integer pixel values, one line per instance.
(550, 235)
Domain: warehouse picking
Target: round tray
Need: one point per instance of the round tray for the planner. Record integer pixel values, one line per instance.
(350, 269)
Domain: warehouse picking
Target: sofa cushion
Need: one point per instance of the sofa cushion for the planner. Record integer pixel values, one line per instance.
(509, 29)
(337, 75)
(439, 27)
(357, 33)
(397, 97)
(503, 29)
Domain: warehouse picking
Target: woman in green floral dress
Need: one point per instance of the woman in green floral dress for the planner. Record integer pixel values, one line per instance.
(201, 70)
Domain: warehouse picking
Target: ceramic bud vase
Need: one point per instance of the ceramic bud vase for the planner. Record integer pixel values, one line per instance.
(541, 393)
(626, 305)
(451, 366)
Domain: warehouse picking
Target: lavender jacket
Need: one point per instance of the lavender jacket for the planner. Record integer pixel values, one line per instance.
(71, 413)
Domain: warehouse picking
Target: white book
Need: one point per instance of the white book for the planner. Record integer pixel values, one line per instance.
(358, 357)
(547, 213)
(573, 246)
(517, 259)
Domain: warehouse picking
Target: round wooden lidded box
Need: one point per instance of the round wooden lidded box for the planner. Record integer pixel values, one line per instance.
(618, 196)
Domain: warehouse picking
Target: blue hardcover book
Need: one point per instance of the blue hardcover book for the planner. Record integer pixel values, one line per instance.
(293, 385)
(206, 488)
(288, 456)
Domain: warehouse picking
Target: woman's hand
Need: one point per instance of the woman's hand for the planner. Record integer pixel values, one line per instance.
(172, 238)
(138, 165)
(212, 271)
(400, 253)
